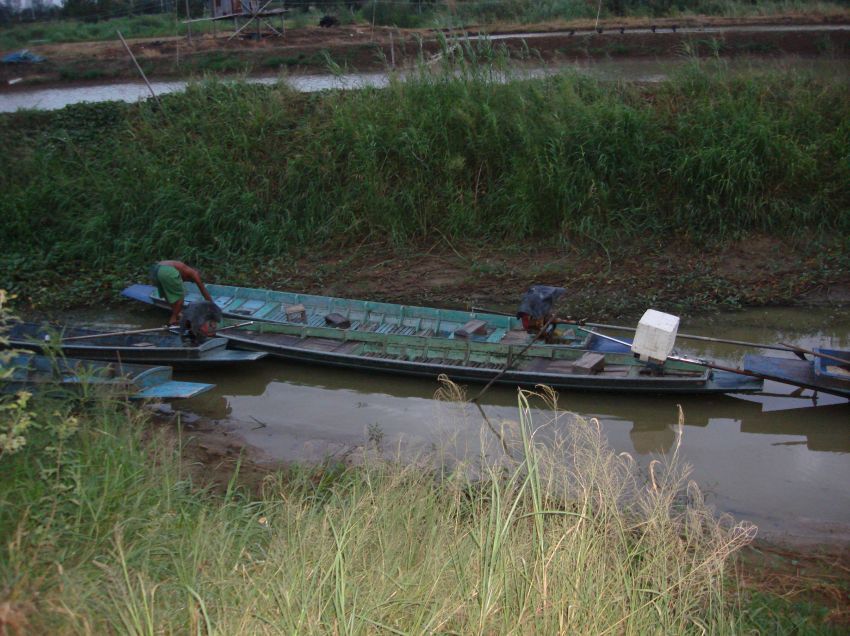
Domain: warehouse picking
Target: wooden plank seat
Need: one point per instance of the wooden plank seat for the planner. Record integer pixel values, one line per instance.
(589, 363)
(472, 328)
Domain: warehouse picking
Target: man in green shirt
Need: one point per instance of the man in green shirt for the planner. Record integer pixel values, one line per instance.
(168, 276)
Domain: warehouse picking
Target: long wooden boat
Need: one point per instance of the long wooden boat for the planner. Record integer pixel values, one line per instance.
(821, 374)
(34, 372)
(161, 348)
(307, 310)
(469, 360)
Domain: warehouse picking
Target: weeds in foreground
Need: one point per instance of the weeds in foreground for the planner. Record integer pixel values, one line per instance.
(561, 535)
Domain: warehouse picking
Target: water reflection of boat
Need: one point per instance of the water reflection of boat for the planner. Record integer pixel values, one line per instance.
(651, 421)
(41, 373)
(652, 437)
(160, 348)
(826, 373)
(823, 428)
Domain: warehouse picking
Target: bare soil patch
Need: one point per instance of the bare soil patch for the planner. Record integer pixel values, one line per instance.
(678, 277)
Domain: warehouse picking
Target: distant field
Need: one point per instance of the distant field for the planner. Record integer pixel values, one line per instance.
(34, 33)
(417, 14)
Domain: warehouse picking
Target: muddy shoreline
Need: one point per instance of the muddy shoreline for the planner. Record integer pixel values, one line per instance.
(361, 48)
(602, 282)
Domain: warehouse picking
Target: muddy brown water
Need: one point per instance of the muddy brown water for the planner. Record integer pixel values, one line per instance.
(633, 70)
(778, 460)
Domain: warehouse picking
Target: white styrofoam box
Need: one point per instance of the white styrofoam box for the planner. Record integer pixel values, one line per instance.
(655, 336)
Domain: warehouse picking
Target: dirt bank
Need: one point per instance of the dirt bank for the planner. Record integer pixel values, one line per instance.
(677, 277)
(360, 47)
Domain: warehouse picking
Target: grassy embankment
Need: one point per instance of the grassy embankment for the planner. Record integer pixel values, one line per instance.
(415, 14)
(242, 179)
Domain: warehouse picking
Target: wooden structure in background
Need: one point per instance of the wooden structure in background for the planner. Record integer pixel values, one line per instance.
(253, 11)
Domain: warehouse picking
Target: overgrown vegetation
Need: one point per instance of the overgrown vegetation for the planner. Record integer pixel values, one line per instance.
(144, 26)
(229, 175)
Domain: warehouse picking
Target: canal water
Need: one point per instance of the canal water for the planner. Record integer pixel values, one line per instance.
(780, 460)
(631, 70)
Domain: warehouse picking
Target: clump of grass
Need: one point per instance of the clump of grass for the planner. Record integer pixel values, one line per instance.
(562, 536)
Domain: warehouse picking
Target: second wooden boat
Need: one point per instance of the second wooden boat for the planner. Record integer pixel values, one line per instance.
(159, 348)
(825, 374)
(57, 375)
(467, 360)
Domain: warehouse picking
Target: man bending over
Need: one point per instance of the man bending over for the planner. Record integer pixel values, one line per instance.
(168, 277)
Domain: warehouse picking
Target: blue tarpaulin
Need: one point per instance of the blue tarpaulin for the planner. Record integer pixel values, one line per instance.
(22, 57)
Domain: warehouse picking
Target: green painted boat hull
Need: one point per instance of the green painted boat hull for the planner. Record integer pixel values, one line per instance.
(422, 341)
(470, 361)
(383, 318)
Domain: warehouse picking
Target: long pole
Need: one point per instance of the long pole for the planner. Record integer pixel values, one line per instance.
(188, 21)
(508, 365)
(684, 336)
(114, 333)
(139, 68)
(137, 331)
